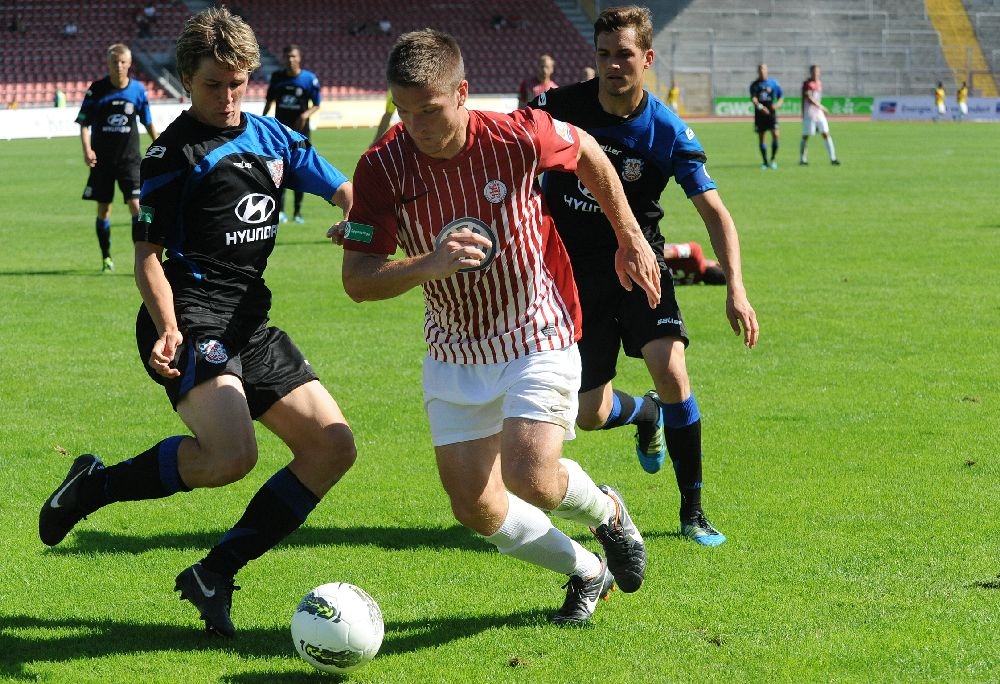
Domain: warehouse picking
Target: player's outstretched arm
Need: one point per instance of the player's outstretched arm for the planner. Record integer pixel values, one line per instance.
(634, 260)
(726, 243)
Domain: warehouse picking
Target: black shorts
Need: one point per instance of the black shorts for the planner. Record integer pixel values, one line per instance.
(269, 363)
(102, 179)
(614, 319)
(764, 121)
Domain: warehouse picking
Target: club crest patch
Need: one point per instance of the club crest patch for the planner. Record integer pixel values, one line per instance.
(632, 169)
(478, 227)
(277, 169)
(495, 192)
(213, 351)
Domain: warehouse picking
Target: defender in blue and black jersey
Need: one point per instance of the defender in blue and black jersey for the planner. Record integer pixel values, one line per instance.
(295, 93)
(766, 96)
(648, 144)
(210, 189)
(109, 117)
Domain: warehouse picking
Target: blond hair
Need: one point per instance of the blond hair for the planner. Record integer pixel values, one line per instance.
(221, 35)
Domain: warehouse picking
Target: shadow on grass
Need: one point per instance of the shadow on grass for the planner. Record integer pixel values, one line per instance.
(55, 640)
(393, 538)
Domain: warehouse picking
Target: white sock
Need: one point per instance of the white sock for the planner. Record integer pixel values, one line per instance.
(527, 534)
(584, 502)
(802, 150)
(829, 148)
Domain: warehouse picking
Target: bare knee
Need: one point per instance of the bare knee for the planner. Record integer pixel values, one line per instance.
(233, 466)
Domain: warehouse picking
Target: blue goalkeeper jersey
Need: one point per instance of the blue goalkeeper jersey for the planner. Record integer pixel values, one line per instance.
(647, 149)
(210, 198)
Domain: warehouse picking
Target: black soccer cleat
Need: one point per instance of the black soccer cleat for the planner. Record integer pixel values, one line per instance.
(212, 594)
(63, 509)
(623, 545)
(582, 596)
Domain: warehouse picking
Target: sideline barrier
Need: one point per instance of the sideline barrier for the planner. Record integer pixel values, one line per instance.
(921, 108)
(53, 122)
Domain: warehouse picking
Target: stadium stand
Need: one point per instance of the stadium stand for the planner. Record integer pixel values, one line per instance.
(36, 59)
(866, 47)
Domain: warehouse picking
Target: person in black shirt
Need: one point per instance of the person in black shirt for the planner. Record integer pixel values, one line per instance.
(295, 94)
(110, 137)
(209, 201)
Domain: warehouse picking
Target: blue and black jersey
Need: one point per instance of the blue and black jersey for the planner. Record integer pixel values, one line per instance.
(113, 115)
(767, 91)
(647, 149)
(210, 197)
(292, 94)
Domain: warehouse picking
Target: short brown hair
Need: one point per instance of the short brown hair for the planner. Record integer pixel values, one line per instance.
(426, 58)
(615, 19)
(221, 35)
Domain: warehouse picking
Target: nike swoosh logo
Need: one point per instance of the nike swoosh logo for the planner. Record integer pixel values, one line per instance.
(209, 593)
(591, 605)
(407, 200)
(54, 503)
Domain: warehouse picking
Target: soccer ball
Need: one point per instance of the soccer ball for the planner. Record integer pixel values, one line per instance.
(337, 627)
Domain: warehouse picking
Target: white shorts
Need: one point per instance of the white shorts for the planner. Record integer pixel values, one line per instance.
(814, 122)
(467, 402)
(942, 109)
(963, 107)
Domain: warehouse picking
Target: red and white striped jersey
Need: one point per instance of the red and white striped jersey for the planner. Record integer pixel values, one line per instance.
(522, 298)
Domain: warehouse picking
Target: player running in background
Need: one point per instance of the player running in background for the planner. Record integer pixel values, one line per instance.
(455, 189)
(766, 96)
(295, 94)
(109, 133)
(648, 144)
(814, 117)
(209, 195)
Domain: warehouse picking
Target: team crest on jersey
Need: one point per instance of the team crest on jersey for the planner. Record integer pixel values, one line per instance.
(213, 351)
(277, 169)
(689, 134)
(563, 130)
(632, 169)
(495, 192)
(584, 190)
(156, 151)
(478, 227)
(129, 108)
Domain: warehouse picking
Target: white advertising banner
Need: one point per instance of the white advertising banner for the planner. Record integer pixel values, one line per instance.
(921, 107)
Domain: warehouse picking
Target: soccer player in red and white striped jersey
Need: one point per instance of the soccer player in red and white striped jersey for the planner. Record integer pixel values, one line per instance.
(456, 190)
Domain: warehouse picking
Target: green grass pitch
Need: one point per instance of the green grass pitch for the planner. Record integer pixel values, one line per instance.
(851, 458)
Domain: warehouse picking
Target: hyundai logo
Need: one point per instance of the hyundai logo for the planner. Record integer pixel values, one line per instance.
(117, 120)
(585, 191)
(255, 208)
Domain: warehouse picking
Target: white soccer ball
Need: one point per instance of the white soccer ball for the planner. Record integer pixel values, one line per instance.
(337, 627)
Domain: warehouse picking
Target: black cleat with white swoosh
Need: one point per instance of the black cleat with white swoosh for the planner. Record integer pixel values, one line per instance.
(212, 594)
(582, 596)
(64, 509)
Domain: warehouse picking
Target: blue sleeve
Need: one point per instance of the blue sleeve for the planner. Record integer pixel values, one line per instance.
(688, 158)
(777, 91)
(316, 96)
